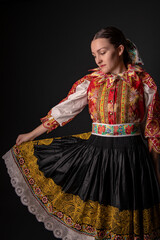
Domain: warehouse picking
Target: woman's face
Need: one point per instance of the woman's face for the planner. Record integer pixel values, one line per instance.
(107, 57)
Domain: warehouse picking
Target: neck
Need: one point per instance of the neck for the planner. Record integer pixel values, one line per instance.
(120, 68)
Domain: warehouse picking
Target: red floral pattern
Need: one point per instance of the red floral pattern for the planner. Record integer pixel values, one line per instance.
(49, 122)
(44, 199)
(60, 215)
(118, 129)
(101, 129)
(135, 77)
(78, 226)
(129, 129)
(118, 107)
(31, 181)
(152, 128)
(26, 171)
(85, 228)
(21, 160)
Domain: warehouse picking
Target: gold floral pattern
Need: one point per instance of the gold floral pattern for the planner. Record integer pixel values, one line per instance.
(90, 217)
(129, 103)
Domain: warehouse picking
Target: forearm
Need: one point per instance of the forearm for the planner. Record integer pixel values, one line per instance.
(38, 131)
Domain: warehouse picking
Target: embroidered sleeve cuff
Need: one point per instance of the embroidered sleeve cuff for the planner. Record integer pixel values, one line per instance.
(154, 143)
(49, 122)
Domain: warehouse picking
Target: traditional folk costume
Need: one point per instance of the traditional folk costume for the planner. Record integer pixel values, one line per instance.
(101, 184)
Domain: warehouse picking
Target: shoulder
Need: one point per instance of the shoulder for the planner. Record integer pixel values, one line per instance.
(147, 79)
(88, 78)
(92, 75)
(81, 84)
(141, 74)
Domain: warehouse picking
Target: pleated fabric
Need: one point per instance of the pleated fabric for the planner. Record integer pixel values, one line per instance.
(116, 171)
(88, 187)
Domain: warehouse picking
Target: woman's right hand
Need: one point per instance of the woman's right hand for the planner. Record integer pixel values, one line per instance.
(24, 138)
(31, 135)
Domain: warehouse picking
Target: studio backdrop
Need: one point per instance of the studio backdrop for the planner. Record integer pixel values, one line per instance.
(45, 48)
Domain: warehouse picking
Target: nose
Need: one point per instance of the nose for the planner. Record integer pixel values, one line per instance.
(99, 60)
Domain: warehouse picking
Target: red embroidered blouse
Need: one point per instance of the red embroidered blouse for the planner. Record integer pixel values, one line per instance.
(128, 97)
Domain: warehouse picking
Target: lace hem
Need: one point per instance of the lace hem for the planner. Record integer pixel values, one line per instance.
(34, 207)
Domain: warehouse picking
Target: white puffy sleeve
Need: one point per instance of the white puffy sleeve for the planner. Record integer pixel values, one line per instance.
(69, 107)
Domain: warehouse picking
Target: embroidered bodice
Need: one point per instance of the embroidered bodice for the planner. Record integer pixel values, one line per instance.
(116, 99)
(127, 97)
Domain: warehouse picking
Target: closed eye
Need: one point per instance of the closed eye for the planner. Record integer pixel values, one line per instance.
(102, 53)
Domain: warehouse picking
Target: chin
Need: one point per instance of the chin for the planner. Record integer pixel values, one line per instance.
(105, 71)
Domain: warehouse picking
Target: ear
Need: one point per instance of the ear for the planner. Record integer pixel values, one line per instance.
(120, 49)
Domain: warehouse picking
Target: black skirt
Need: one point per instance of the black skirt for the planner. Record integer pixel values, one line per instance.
(112, 171)
(96, 187)
(116, 171)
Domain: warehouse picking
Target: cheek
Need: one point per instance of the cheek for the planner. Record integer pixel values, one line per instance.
(113, 60)
(110, 57)
(113, 56)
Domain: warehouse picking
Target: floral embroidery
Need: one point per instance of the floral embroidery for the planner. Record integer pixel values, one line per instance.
(101, 129)
(119, 99)
(152, 128)
(129, 129)
(133, 96)
(40, 187)
(21, 160)
(44, 199)
(60, 215)
(31, 181)
(90, 229)
(118, 129)
(37, 190)
(68, 220)
(78, 226)
(49, 122)
(26, 171)
(17, 150)
(116, 132)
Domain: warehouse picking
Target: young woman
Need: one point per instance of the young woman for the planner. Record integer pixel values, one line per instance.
(104, 184)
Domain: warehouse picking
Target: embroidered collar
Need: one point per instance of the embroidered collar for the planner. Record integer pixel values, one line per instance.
(126, 76)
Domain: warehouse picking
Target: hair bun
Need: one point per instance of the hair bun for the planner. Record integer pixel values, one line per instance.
(133, 53)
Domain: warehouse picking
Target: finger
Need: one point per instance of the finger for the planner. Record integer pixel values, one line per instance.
(17, 140)
(19, 143)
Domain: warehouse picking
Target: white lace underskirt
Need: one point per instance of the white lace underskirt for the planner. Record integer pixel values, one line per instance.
(28, 199)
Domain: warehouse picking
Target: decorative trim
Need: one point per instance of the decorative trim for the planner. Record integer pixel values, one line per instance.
(116, 130)
(123, 102)
(35, 207)
(118, 103)
(51, 205)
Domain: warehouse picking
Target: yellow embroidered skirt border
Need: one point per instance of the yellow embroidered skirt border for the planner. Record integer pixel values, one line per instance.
(90, 217)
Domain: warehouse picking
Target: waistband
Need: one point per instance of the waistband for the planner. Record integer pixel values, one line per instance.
(116, 130)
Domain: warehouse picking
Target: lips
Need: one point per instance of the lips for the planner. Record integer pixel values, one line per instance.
(102, 65)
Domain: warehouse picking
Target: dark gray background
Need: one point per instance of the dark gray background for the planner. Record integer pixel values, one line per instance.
(45, 48)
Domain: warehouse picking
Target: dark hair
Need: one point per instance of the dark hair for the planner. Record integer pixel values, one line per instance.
(116, 37)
